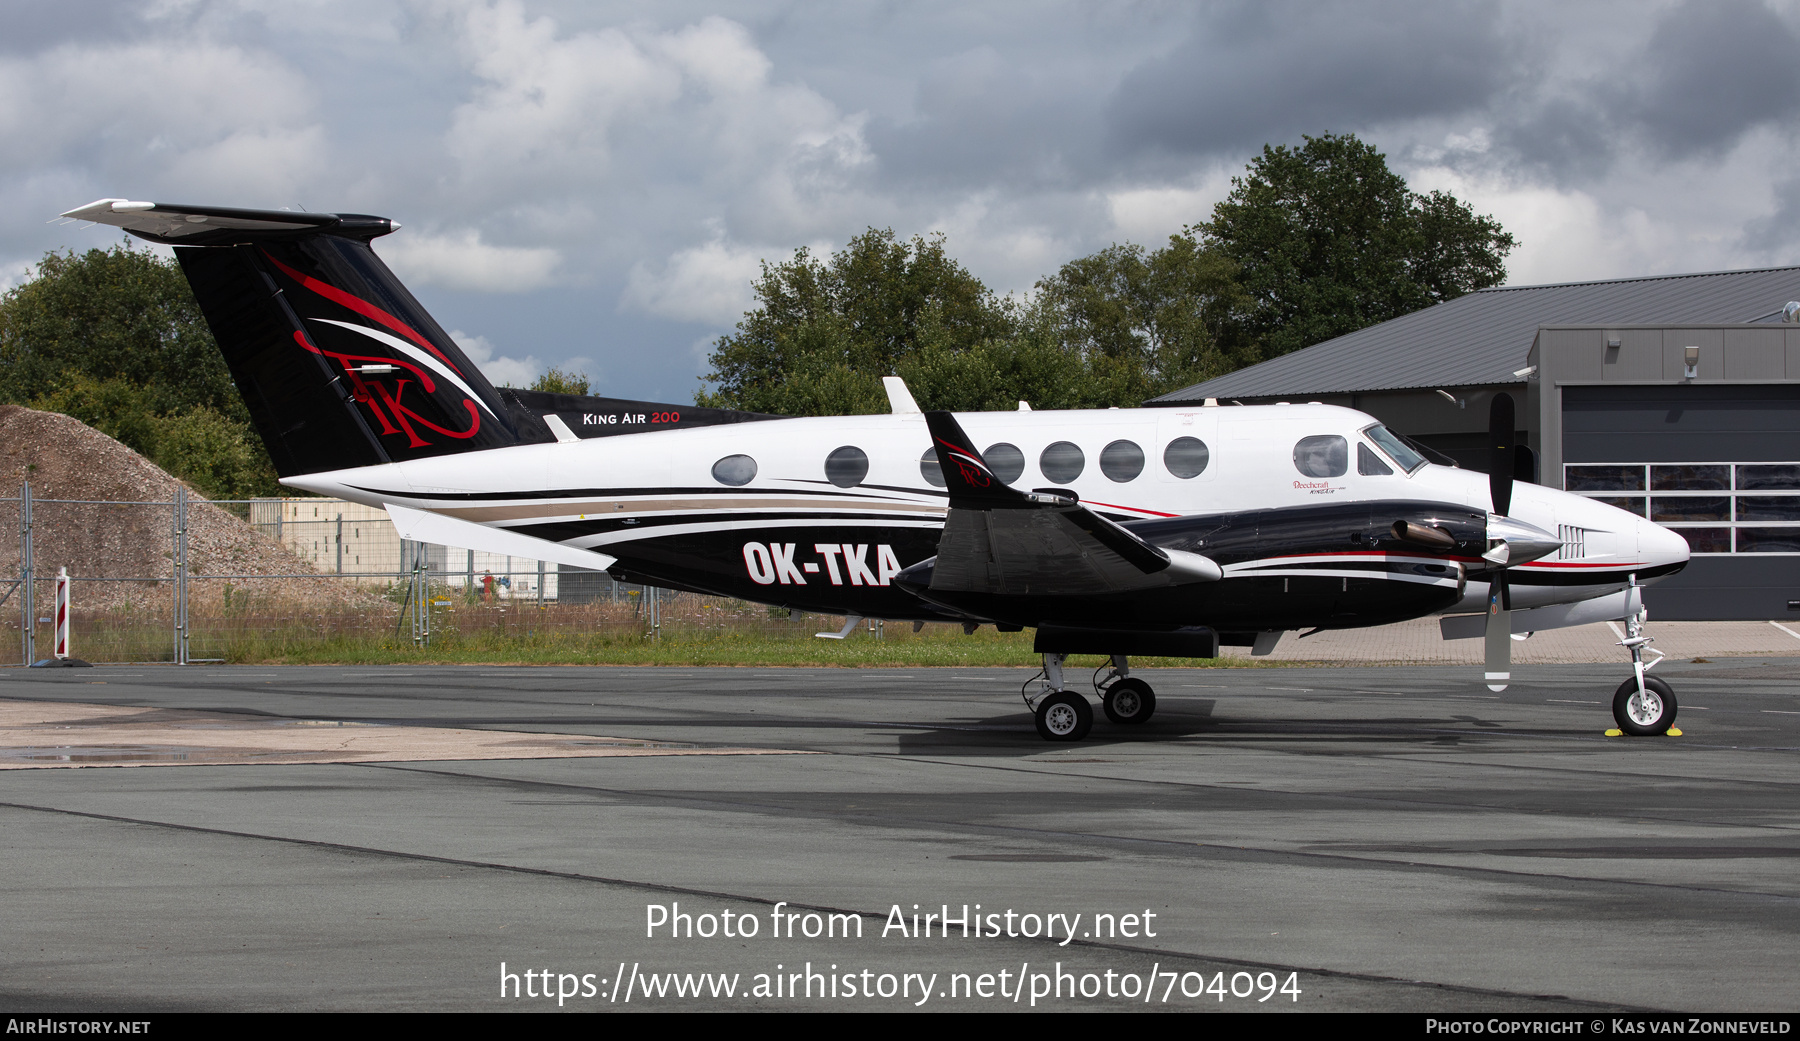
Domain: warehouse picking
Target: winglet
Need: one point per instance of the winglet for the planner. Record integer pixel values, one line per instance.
(900, 400)
(971, 482)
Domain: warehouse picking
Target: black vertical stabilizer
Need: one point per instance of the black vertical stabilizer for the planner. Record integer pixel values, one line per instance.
(340, 365)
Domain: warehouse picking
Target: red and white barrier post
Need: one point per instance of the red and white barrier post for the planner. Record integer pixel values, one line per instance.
(62, 613)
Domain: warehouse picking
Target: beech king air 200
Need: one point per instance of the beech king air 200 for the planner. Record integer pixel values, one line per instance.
(1189, 528)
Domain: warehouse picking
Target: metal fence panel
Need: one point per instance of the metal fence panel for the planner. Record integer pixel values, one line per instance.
(192, 580)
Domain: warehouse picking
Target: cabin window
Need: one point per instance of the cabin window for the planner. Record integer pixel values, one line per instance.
(735, 470)
(1062, 462)
(847, 466)
(1186, 457)
(1122, 461)
(1007, 462)
(1369, 464)
(1322, 455)
(931, 469)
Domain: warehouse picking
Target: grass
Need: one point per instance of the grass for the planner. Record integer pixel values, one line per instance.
(694, 631)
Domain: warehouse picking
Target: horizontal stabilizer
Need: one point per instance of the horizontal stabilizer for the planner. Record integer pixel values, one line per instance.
(182, 225)
(421, 526)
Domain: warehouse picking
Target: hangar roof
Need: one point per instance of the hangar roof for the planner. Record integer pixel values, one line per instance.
(1483, 337)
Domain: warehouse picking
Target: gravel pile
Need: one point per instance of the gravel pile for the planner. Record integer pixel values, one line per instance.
(66, 459)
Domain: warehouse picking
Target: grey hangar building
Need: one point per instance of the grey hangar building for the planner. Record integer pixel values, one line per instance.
(1676, 397)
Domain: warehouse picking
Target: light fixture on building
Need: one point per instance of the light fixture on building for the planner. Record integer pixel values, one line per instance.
(1452, 399)
(1693, 361)
(1791, 313)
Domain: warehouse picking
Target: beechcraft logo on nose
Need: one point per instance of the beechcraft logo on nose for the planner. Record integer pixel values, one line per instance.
(842, 563)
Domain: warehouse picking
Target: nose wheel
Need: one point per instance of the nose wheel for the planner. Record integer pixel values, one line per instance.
(1641, 713)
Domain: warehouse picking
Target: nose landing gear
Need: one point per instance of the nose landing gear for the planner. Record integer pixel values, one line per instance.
(1643, 705)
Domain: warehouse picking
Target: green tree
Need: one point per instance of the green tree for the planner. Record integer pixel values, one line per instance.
(1328, 240)
(1162, 319)
(556, 381)
(824, 333)
(115, 338)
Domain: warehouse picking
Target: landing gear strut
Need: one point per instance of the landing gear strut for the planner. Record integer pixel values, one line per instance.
(1066, 716)
(1061, 715)
(1642, 705)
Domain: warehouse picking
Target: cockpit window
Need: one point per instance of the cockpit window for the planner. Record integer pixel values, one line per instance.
(1368, 462)
(1322, 455)
(1396, 449)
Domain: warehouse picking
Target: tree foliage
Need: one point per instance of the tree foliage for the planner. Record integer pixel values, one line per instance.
(556, 381)
(1169, 317)
(1313, 242)
(824, 333)
(116, 339)
(1328, 240)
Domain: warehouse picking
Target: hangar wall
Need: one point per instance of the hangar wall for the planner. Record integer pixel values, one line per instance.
(1715, 455)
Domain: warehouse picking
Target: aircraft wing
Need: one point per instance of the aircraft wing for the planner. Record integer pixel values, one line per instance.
(1000, 540)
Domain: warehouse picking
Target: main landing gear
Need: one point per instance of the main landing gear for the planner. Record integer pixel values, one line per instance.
(1063, 715)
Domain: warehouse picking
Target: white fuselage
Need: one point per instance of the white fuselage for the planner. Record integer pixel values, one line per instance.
(1251, 465)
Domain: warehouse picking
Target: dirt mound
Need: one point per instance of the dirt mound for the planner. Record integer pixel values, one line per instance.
(120, 522)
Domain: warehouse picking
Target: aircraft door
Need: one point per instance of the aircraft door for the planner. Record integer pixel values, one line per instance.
(1185, 453)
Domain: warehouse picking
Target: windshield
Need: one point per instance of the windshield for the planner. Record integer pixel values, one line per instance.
(1396, 449)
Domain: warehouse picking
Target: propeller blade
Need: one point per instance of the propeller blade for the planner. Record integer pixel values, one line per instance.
(1499, 633)
(1502, 460)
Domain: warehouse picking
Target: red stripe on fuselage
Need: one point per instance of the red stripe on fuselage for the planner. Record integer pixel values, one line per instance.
(1134, 509)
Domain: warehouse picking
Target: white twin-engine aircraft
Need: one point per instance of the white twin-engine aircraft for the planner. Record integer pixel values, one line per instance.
(1149, 532)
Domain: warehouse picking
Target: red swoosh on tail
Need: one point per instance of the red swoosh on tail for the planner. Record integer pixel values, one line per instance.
(361, 307)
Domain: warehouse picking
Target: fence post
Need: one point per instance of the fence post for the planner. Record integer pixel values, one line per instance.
(340, 544)
(540, 585)
(180, 574)
(27, 609)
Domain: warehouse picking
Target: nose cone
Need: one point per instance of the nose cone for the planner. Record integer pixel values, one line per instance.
(1659, 545)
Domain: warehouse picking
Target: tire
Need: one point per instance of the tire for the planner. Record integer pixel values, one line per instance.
(1129, 702)
(1064, 717)
(1644, 719)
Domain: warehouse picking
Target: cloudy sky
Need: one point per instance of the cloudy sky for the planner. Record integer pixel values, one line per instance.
(592, 184)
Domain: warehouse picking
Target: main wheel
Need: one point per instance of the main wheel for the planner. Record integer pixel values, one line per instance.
(1129, 701)
(1652, 712)
(1064, 717)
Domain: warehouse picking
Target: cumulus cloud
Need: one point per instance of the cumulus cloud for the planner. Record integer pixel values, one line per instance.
(203, 116)
(705, 283)
(1254, 73)
(500, 370)
(548, 155)
(692, 111)
(460, 260)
